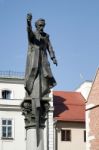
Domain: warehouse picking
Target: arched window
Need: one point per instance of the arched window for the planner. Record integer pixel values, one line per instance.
(6, 94)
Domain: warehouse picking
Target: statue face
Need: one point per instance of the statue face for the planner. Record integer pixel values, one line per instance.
(40, 26)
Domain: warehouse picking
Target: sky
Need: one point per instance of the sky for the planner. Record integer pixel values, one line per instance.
(73, 26)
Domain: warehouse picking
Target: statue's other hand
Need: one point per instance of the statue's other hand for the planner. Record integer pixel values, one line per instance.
(55, 61)
(29, 17)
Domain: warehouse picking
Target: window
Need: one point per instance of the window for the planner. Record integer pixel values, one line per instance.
(84, 136)
(6, 94)
(6, 128)
(65, 135)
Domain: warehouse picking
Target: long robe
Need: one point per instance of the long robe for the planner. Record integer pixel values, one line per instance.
(38, 77)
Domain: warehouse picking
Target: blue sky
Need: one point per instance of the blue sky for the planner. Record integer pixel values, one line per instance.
(73, 26)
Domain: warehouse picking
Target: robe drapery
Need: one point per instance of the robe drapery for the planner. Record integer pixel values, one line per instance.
(38, 76)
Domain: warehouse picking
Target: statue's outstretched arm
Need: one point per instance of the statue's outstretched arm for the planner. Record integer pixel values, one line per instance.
(29, 27)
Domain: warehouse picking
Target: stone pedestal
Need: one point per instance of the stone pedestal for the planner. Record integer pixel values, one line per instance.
(41, 144)
(31, 140)
(34, 123)
(31, 143)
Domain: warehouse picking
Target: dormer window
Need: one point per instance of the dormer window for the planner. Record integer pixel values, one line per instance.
(6, 94)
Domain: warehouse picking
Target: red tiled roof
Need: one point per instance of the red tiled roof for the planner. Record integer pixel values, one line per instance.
(69, 106)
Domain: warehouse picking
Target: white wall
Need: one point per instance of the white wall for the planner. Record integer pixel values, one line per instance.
(18, 141)
(18, 91)
(85, 89)
(11, 109)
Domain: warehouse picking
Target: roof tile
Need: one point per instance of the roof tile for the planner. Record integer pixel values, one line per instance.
(69, 106)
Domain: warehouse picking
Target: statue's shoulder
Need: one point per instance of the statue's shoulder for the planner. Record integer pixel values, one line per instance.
(46, 35)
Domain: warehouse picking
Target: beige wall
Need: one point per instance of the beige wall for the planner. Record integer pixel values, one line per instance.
(77, 136)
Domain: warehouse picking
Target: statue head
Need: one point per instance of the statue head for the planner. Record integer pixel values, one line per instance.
(40, 24)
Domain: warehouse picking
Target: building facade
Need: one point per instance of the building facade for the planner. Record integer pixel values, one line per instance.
(92, 115)
(63, 130)
(85, 89)
(12, 131)
(12, 126)
(90, 90)
(69, 121)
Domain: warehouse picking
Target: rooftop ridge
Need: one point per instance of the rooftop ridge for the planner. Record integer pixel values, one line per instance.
(11, 74)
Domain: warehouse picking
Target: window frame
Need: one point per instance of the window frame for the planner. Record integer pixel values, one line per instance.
(65, 135)
(7, 126)
(84, 133)
(6, 94)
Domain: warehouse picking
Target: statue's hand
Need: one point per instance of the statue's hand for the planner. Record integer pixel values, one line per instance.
(55, 61)
(29, 17)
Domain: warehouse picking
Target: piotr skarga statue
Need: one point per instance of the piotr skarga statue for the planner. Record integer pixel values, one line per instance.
(38, 76)
(37, 61)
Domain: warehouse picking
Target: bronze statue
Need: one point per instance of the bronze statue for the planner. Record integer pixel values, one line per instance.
(38, 78)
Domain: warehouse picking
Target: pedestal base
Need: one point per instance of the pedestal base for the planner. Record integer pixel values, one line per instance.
(35, 118)
(31, 143)
(41, 142)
